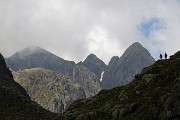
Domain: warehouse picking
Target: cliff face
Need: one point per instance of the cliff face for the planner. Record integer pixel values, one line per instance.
(152, 95)
(50, 80)
(95, 65)
(15, 104)
(121, 71)
(87, 80)
(52, 90)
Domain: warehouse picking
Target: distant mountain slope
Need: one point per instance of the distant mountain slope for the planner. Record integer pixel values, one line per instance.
(94, 64)
(87, 80)
(15, 104)
(121, 71)
(153, 95)
(33, 56)
(52, 90)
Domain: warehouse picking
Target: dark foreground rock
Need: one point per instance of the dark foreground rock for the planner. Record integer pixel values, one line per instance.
(15, 104)
(152, 95)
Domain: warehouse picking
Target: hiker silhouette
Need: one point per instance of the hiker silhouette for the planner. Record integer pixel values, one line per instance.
(165, 55)
(160, 56)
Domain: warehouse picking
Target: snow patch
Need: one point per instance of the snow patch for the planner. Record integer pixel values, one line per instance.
(11, 70)
(102, 76)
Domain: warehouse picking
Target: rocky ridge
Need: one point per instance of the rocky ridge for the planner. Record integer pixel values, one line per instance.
(15, 104)
(152, 95)
(52, 90)
(95, 65)
(87, 80)
(121, 71)
(34, 56)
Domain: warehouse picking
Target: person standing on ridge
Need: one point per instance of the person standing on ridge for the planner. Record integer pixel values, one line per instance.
(165, 55)
(160, 56)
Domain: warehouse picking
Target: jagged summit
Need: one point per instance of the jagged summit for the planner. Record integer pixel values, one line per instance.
(122, 70)
(92, 56)
(152, 95)
(95, 65)
(113, 60)
(136, 49)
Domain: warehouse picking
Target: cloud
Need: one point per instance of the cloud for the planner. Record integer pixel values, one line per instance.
(73, 29)
(100, 43)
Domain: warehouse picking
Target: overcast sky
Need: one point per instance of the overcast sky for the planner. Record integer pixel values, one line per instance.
(72, 29)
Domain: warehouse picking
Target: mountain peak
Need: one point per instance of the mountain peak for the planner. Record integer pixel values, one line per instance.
(136, 49)
(34, 56)
(122, 70)
(154, 91)
(136, 44)
(94, 64)
(92, 56)
(33, 47)
(28, 51)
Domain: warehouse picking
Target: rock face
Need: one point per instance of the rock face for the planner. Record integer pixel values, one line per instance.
(33, 68)
(152, 95)
(33, 57)
(87, 80)
(95, 65)
(15, 104)
(122, 70)
(52, 90)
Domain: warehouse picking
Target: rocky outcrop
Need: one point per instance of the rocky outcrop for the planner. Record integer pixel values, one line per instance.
(33, 57)
(95, 65)
(7, 79)
(52, 90)
(87, 80)
(121, 71)
(15, 103)
(152, 95)
(33, 68)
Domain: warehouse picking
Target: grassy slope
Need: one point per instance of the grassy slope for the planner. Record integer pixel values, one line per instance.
(153, 95)
(46, 86)
(15, 104)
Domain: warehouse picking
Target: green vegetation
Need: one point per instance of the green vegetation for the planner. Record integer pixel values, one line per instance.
(17, 107)
(52, 90)
(15, 104)
(153, 95)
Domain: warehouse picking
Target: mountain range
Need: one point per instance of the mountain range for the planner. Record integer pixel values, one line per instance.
(154, 94)
(46, 76)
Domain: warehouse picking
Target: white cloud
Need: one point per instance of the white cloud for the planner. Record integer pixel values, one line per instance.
(100, 43)
(74, 29)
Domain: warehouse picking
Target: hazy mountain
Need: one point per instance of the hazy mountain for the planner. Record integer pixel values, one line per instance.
(33, 56)
(52, 90)
(94, 64)
(15, 104)
(27, 64)
(153, 95)
(121, 71)
(87, 80)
